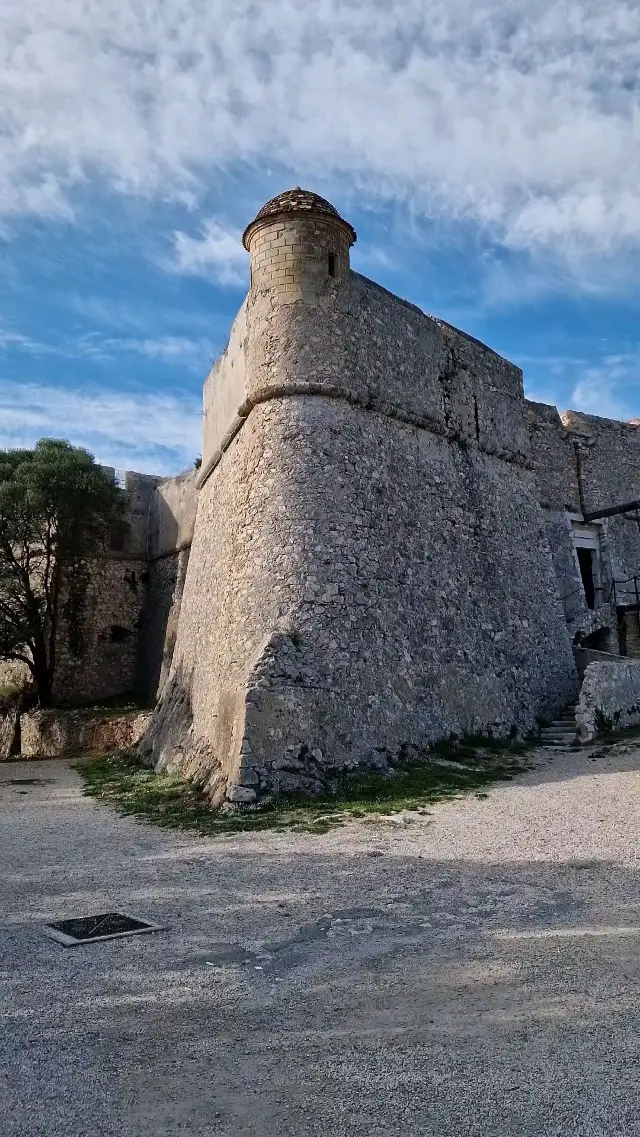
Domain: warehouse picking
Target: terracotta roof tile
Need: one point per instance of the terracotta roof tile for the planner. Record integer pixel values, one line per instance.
(297, 200)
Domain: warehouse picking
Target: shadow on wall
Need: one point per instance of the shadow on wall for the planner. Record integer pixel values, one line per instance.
(159, 625)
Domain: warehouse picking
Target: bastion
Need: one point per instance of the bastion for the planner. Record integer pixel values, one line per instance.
(370, 569)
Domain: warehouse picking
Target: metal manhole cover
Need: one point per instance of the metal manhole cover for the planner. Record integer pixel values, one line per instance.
(90, 929)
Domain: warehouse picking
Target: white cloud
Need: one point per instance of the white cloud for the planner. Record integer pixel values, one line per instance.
(10, 339)
(611, 389)
(608, 387)
(519, 115)
(181, 350)
(217, 254)
(196, 354)
(155, 433)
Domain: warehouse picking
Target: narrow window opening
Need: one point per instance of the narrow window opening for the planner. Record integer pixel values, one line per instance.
(332, 264)
(119, 537)
(585, 560)
(118, 634)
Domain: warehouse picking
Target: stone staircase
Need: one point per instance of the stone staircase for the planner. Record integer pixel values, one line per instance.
(562, 732)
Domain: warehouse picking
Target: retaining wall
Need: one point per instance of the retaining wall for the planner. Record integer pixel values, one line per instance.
(52, 733)
(609, 698)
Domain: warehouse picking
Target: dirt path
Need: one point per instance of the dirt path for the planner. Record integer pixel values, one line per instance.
(474, 972)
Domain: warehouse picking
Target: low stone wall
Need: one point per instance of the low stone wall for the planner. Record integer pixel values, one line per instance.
(15, 693)
(586, 655)
(609, 698)
(51, 733)
(9, 715)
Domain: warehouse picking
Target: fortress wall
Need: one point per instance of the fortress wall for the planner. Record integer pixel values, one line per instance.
(552, 450)
(369, 567)
(224, 395)
(139, 489)
(106, 644)
(610, 458)
(172, 515)
(245, 578)
(166, 577)
(359, 342)
(98, 635)
(610, 475)
(172, 512)
(397, 598)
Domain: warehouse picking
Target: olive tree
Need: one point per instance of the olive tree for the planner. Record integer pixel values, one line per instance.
(56, 507)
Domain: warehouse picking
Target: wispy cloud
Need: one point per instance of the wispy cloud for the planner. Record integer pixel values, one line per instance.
(611, 388)
(152, 433)
(608, 387)
(10, 339)
(217, 254)
(520, 116)
(194, 354)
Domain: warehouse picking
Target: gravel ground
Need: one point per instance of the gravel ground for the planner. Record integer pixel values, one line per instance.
(474, 972)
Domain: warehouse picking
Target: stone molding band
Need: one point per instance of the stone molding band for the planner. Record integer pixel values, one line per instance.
(422, 422)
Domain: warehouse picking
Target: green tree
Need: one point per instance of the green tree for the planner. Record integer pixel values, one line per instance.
(56, 507)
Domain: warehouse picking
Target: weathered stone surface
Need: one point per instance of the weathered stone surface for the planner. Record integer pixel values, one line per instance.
(585, 463)
(172, 514)
(378, 550)
(9, 718)
(609, 698)
(369, 569)
(50, 733)
(98, 639)
(160, 615)
(15, 690)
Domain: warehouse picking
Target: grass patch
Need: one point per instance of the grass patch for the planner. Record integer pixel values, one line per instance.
(122, 782)
(610, 737)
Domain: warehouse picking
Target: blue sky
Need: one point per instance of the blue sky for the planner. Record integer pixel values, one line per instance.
(487, 152)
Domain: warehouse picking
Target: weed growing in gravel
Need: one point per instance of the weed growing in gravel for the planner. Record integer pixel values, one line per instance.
(122, 782)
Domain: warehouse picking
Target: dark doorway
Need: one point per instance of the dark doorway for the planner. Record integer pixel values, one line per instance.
(585, 560)
(598, 640)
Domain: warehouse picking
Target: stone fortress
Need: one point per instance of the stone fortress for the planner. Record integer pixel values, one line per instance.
(386, 544)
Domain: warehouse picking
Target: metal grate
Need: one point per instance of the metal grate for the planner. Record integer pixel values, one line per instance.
(91, 929)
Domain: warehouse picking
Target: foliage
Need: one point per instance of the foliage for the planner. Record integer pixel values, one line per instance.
(56, 505)
(120, 780)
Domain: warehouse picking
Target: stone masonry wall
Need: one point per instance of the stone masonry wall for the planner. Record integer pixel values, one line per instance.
(552, 450)
(52, 733)
(167, 575)
(609, 470)
(98, 636)
(369, 569)
(291, 257)
(609, 698)
(172, 511)
(585, 463)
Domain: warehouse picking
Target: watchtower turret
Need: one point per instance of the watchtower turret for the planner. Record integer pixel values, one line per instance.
(298, 244)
